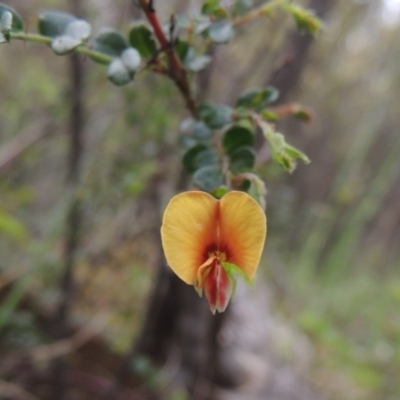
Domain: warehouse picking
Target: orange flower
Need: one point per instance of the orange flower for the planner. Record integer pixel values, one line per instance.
(208, 241)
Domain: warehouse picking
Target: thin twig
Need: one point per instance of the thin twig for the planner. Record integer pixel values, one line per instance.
(37, 38)
(177, 72)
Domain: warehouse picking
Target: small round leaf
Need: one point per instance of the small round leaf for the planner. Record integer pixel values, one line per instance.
(270, 115)
(78, 29)
(219, 192)
(236, 137)
(242, 7)
(17, 24)
(197, 63)
(5, 26)
(6, 18)
(202, 132)
(182, 49)
(118, 73)
(242, 159)
(199, 156)
(54, 23)
(216, 116)
(258, 99)
(64, 44)
(208, 178)
(202, 23)
(214, 8)
(221, 32)
(141, 38)
(110, 42)
(131, 59)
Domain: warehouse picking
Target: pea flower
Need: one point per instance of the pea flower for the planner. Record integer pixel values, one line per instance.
(208, 242)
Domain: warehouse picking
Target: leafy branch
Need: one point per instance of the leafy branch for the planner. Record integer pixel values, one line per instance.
(219, 139)
(82, 49)
(177, 71)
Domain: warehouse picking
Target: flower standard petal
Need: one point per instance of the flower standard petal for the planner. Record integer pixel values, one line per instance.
(189, 229)
(243, 228)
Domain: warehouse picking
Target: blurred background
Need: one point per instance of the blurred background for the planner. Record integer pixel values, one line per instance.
(329, 283)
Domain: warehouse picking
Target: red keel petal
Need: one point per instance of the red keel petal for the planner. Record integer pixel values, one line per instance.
(218, 288)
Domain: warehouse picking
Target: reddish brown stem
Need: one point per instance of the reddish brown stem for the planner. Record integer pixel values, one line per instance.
(177, 71)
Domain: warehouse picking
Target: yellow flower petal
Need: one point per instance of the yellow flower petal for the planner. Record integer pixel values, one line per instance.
(243, 228)
(189, 229)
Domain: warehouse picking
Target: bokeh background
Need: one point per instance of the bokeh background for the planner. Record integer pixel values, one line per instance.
(332, 262)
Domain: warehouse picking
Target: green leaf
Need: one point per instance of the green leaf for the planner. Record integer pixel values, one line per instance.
(78, 29)
(283, 153)
(207, 158)
(131, 59)
(216, 116)
(109, 42)
(9, 23)
(221, 32)
(258, 99)
(245, 185)
(278, 146)
(237, 136)
(182, 22)
(296, 154)
(141, 38)
(54, 23)
(304, 115)
(252, 184)
(199, 156)
(64, 44)
(182, 49)
(189, 57)
(219, 192)
(242, 159)
(189, 158)
(257, 190)
(197, 63)
(67, 31)
(295, 110)
(202, 132)
(234, 269)
(202, 23)
(208, 178)
(195, 132)
(214, 8)
(118, 73)
(5, 26)
(242, 7)
(305, 19)
(187, 142)
(270, 116)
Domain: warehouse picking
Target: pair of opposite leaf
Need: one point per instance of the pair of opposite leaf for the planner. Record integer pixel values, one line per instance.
(207, 242)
